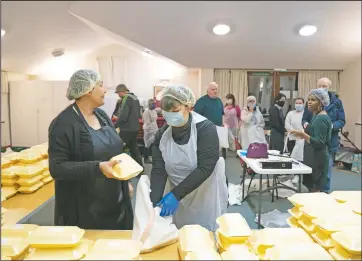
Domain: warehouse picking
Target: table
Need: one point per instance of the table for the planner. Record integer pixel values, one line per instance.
(166, 253)
(21, 205)
(255, 165)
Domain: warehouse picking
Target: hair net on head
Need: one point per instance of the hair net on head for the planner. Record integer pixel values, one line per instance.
(179, 92)
(321, 95)
(250, 98)
(82, 82)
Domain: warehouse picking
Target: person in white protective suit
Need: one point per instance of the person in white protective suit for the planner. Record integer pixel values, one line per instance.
(186, 154)
(293, 121)
(252, 124)
(150, 128)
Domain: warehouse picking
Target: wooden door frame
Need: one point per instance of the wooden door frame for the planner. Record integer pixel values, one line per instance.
(277, 79)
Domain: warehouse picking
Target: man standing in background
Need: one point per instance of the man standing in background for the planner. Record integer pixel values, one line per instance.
(127, 116)
(336, 113)
(210, 106)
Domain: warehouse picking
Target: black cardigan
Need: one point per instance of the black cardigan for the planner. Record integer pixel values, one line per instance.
(207, 157)
(72, 164)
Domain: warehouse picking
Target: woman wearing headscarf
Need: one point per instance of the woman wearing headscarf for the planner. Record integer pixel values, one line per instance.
(82, 140)
(317, 137)
(186, 153)
(150, 128)
(252, 124)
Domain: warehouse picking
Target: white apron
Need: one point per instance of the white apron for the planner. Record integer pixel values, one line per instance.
(209, 201)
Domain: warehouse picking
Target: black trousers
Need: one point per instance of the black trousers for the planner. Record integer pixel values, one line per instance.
(130, 138)
(291, 145)
(147, 152)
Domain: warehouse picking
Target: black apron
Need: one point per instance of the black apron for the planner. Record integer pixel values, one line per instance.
(317, 160)
(109, 202)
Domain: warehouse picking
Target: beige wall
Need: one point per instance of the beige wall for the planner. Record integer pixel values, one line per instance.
(207, 76)
(193, 81)
(5, 127)
(350, 93)
(142, 72)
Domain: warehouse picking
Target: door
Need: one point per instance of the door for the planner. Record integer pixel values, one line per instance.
(287, 84)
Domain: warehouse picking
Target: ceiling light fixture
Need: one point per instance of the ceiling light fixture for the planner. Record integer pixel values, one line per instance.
(221, 29)
(308, 30)
(2, 32)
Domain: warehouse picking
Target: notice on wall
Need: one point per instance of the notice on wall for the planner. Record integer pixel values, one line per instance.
(286, 93)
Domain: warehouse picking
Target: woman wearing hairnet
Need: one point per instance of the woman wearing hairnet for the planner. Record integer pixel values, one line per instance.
(150, 127)
(317, 137)
(252, 124)
(82, 140)
(186, 153)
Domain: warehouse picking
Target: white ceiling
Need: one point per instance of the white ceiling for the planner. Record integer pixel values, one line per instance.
(264, 33)
(35, 28)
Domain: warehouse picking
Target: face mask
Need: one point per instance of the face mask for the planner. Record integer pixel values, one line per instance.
(174, 119)
(299, 107)
(229, 102)
(281, 103)
(251, 104)
(152, 106)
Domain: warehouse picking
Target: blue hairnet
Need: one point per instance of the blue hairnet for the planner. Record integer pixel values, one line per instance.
(179, 92)
(321, 95)
(81, 83)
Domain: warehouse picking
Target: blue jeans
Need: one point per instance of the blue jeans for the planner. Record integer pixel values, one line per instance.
(327, 186)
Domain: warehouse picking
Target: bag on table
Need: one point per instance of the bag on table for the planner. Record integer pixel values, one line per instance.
(257, 151)
(149, 227)
(223, 134)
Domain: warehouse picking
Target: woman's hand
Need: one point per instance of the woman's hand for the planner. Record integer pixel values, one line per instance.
(107, 168)
(298, 134)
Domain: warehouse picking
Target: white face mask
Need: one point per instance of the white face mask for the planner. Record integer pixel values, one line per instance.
(229, 101)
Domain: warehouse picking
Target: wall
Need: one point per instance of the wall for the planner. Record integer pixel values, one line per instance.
(206, 76)
(142, 72)
(193, 81)
(350, 93)
(5, 116)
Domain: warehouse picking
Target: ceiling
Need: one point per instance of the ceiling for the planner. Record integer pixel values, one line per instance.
(264, 34)
(35, 28)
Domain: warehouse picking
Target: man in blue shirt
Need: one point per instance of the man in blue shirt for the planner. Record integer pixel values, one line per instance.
(336, 113)
(210, 106)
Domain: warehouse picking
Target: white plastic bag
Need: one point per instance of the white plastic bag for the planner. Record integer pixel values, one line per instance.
(223, 134)
(298, 150)
(149, 227)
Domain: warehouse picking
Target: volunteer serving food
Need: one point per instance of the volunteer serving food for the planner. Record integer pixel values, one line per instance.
(186, 154)
(82, 141)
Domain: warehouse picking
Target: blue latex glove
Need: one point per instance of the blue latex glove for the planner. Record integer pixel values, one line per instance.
(169, 205)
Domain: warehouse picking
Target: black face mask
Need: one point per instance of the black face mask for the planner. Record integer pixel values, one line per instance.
(281, 103)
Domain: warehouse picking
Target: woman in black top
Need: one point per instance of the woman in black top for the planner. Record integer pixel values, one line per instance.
(82, 140)
(186, 153)
(277, 123)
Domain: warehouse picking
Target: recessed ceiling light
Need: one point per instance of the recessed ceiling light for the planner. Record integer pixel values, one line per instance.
(2, 32)
(221, 29)
(308, 30)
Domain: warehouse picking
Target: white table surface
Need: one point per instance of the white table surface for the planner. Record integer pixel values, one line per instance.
(255, 165)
